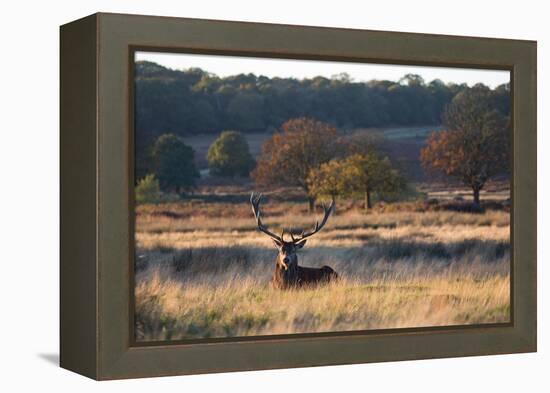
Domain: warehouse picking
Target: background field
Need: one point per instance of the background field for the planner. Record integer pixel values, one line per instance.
(402, 144)
(203, 270)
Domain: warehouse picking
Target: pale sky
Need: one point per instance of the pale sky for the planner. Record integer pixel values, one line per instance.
(300, 69)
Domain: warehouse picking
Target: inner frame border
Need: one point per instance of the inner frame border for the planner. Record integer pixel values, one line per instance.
(133, 49)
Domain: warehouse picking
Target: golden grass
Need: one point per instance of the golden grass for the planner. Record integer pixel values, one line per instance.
(201, 275)
(171, 309)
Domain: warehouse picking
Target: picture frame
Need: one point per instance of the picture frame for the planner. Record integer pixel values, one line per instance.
(96, 143)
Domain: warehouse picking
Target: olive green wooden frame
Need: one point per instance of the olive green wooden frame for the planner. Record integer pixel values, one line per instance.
(97, 205)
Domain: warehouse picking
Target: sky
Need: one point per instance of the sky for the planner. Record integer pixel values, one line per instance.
(300, 69)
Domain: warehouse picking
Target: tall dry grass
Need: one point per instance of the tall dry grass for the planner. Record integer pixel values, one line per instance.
(203, 274)
(171, 309)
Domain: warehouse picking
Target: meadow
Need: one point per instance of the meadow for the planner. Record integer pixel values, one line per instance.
(203, 270)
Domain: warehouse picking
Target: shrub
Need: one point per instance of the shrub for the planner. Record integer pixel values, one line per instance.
(148, 190)
(229, 155)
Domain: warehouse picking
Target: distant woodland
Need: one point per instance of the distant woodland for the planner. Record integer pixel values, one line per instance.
(193, 101)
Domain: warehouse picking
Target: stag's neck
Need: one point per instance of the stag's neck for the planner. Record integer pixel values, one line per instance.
(285, 278)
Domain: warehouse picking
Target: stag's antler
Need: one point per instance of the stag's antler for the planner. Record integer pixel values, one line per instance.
(317, 226)
(255, 201)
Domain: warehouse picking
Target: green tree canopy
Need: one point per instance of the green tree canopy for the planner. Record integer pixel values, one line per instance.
(371, 173)
(332, 179)
(364, 174)
(229, 155)
(174, 163)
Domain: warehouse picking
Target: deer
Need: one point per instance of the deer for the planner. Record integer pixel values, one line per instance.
(288, 274)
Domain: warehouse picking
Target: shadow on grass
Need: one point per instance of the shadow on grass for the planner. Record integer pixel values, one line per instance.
(243, 197)
(372, 249)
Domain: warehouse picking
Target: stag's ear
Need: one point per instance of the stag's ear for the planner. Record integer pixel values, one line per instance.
(301, 244)
(278, 244)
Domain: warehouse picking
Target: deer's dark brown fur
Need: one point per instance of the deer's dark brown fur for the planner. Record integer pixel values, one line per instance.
(288, 274)
(302, 276)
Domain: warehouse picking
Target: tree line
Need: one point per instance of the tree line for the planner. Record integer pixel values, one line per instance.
(305, 153)
(314, 156)
(193, 101)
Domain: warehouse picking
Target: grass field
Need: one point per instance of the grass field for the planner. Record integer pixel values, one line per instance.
(202, 270)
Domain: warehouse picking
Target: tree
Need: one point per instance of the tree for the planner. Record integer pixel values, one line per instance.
(370, 174)
(245, 110)
(412, 80)
(331, 179)
(229, 155)
(195, 101)
(148, 190)
(289, 156)
(357, 174)
(174, 163)
(475, 144)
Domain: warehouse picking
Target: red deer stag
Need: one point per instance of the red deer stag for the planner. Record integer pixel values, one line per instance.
(288, 274)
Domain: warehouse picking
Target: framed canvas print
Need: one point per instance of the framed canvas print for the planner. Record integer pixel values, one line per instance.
(241, 196)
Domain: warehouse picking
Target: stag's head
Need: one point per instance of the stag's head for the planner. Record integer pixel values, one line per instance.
(287, 258)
